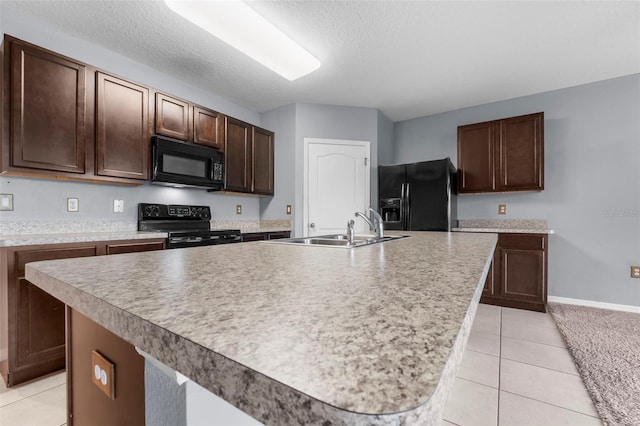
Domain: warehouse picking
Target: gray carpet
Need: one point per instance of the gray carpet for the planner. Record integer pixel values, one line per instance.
(605, 346)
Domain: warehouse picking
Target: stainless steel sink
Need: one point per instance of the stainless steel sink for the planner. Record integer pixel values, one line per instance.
(337, 240)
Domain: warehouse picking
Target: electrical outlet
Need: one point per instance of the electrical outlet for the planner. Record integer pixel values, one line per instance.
(73, 205)
(103, 374)
(288, 208)
(239, 209)
(635, 271)
(502, 209)
(6, 202)
(118, 206)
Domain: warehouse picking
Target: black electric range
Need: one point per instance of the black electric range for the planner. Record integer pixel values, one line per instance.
(187, 226)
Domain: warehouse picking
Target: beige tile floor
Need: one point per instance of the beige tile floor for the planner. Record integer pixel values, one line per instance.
(516, 371)
(40, 402)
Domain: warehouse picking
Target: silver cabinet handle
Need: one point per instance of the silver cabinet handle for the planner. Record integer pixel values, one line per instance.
(312, 225)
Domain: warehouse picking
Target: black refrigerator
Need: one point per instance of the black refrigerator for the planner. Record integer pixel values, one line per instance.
(418, 196)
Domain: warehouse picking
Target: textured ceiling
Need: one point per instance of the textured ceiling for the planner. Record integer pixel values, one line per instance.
(408, 59)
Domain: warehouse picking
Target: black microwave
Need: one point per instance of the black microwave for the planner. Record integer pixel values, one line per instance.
(183, 164)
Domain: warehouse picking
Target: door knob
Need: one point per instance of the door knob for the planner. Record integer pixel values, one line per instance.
(312, 225)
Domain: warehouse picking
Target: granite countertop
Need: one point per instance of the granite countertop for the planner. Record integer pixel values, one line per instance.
(35, 239)
(26, 233)
(290, 334)
(519, 226)
(248, 227)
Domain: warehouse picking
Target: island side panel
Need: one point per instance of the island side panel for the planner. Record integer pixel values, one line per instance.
(87, 404)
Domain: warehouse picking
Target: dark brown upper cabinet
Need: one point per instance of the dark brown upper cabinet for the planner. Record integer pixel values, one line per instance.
(208, 127)
(520, 153)
(68, 119)
(504, 155)
(122, 128)
(476, 157)
(172, 117)
(262, 158)
(180, 119)
(46, 109)
(237, 158)
(249, 152)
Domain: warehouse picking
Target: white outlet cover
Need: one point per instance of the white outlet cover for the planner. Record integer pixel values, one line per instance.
(73, 205)
(6, 202)
(118, 206)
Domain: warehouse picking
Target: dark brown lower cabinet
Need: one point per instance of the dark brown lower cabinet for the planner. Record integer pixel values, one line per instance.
(259, 236)
(86, 403)
(518, 274)
(32, 322)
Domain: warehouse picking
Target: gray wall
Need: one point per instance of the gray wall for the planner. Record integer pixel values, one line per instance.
(37, 199)
(332, 122)
(385, 141)
(293, 123)
(283, 122)
(592, 181)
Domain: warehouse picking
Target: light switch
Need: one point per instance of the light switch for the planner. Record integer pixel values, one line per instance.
(103, 374)
(288, 208)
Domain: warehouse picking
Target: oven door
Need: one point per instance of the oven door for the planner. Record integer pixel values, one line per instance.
(197, 239)
(186, 165)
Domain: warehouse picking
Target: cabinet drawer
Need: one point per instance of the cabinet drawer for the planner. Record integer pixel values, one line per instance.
(255, 236)
(522, 241)
(23, 257)
(135, 247)
(279, 235)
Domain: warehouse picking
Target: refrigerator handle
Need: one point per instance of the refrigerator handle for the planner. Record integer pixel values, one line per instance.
(407, 208)
(402, 221)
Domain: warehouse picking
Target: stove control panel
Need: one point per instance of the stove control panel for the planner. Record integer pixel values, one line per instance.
(172, 211)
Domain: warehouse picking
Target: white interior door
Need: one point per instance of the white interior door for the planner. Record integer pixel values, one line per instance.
(337, 185)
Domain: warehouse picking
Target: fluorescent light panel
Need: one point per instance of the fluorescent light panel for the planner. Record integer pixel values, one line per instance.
(235, 23)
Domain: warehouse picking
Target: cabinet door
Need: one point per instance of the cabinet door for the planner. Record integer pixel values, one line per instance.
(490, 283)
(237, 157)
(262, 169)
(122, 128)
(36, 336)
(47, 104)
(520, 155)
(40, 326)
(476, 158)
(172, 117)
(208, 128)
(523, 267)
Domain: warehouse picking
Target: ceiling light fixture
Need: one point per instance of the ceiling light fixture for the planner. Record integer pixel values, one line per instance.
(235, 23)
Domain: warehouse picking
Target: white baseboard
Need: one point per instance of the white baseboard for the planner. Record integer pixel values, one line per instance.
(593, 304)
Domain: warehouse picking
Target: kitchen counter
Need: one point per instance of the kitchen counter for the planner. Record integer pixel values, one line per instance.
(35, 239)
(253, 226)
(295, 335)
(517, 226)
(27, 233)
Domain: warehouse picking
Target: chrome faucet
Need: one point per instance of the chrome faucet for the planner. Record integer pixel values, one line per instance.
(375, 223)
(350, 224)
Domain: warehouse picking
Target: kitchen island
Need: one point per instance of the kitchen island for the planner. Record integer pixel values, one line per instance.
(290, 334)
